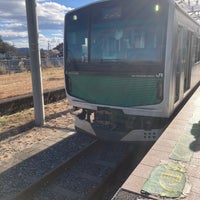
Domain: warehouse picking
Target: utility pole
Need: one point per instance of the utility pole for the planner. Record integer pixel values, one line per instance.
(35, 62)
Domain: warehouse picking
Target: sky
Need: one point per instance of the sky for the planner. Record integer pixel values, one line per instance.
(13, 22)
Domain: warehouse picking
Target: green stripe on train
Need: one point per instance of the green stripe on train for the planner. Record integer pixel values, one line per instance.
(115, 91)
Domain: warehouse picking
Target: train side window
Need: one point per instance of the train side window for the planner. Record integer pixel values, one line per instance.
(195, 49)
(198, 50)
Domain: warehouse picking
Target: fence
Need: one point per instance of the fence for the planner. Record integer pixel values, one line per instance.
(15, 76)
(20, 65)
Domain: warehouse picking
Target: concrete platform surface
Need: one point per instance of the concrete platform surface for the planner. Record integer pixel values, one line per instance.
(182, 132)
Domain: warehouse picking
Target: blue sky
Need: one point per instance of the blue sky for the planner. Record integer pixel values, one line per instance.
(13, 24)
(74, 3)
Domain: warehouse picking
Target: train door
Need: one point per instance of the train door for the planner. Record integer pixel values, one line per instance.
(178, 63)
(187, 67)
(183, 62)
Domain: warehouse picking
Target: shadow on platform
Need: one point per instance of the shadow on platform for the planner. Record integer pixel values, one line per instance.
(195, 145)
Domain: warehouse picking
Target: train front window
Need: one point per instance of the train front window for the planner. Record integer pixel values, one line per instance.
(127, 33)
(127, 44)
(77, 36)
(113, 31)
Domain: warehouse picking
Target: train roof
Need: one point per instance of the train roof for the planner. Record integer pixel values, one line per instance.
(180, 6)
(173, 2)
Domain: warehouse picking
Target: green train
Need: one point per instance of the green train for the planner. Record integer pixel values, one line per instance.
(128, 65)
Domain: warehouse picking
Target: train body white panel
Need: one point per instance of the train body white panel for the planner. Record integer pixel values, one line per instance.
(179, 73)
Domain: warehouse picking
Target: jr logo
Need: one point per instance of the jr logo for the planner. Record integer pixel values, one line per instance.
(159, 75)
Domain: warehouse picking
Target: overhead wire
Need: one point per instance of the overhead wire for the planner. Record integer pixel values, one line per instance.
(192, 7)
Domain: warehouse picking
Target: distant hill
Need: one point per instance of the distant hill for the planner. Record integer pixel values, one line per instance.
(23, 51)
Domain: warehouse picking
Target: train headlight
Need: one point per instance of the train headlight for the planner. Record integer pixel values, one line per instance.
(157, 8)
(75, 17)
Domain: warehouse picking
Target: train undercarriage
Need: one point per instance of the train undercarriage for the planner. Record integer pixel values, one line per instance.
(112, 124)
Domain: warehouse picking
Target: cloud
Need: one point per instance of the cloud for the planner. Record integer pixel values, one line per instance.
(9, 34)
(51, 13)
(13, 23)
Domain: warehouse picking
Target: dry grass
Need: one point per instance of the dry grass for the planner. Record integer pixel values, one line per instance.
(56, 126)
(2, 69)
(20, 83)
(8, 122)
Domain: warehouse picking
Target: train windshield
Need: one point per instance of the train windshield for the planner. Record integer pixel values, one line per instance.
(113, 31)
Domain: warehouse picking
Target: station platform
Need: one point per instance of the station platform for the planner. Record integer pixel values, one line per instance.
(171, 168)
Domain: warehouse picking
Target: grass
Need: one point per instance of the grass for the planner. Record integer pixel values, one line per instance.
(21, 83)
(8, 122)
(16, 84)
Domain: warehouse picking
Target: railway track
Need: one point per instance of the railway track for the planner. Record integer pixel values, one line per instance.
(84, 176)
(28, 192)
